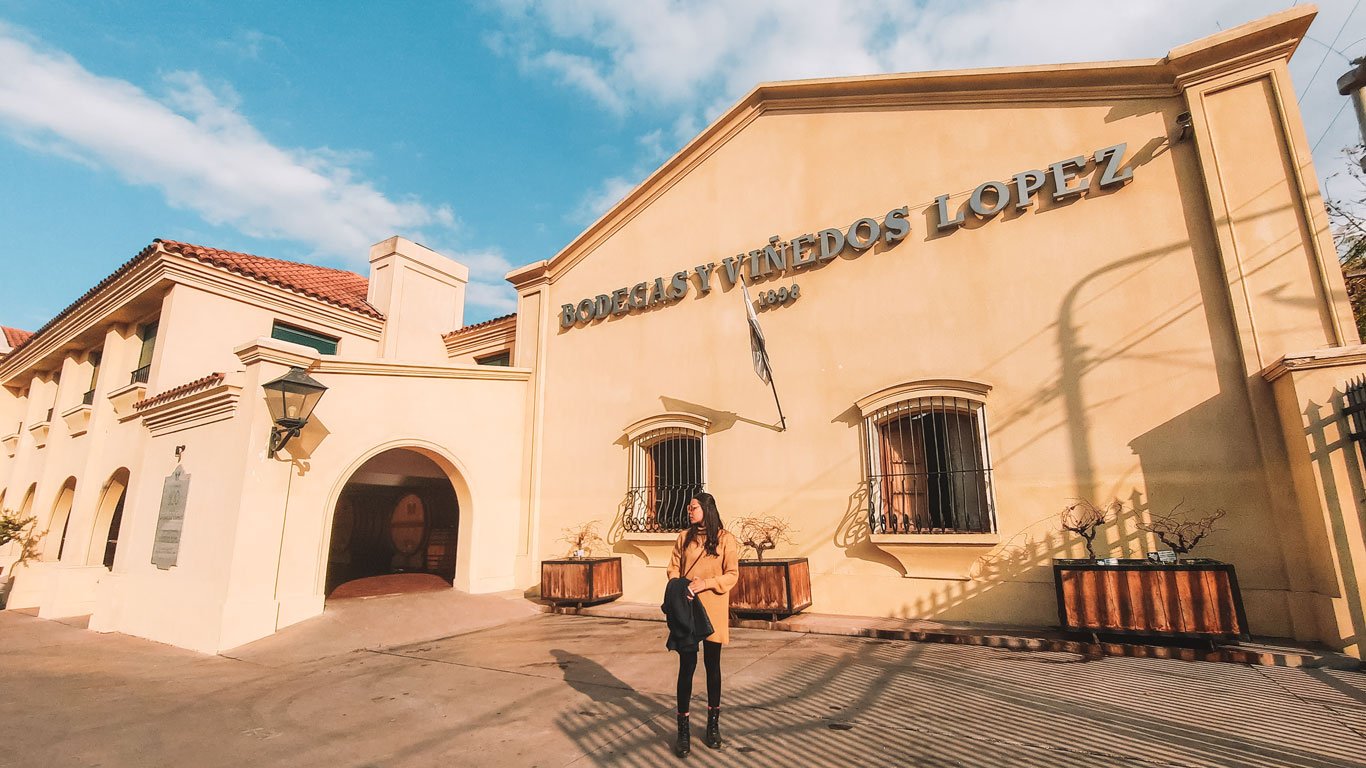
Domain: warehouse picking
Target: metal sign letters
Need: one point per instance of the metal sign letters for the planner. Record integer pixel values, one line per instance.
(1061, 181)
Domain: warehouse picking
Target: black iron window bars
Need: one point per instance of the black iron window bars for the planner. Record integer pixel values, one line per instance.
(666, 470)
(929, 470)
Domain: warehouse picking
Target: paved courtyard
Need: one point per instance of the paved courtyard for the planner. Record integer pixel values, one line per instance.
(549, 690)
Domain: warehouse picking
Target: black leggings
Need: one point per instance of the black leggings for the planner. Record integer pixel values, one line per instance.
(687, 665)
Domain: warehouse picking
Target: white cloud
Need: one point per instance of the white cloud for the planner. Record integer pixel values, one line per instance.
(498, 299)
(602, 197)
(195, 146)
(684, 63)
(580, 71)
(248, 43)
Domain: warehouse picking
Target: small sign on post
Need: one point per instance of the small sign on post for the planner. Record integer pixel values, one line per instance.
(171, 519)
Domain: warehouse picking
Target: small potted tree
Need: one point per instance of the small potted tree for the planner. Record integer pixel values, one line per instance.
(580, 578)
(1084, 518)
(1164, 594)
(773, 587)
(24, 532)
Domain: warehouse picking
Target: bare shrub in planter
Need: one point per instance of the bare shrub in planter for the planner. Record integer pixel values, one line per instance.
(762, 533)
(1084, 517)
(1181, 531)
(582, 539)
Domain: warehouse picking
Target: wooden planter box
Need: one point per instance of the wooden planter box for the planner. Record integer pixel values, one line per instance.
(778, 587)
(1199, 598)
(581, 581)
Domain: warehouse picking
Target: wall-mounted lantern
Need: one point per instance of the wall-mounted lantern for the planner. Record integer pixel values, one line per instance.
(291, 399)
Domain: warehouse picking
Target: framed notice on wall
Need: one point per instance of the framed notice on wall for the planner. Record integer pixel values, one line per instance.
(171, 519)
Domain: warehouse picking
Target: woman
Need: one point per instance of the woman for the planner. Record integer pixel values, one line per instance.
(708, 556)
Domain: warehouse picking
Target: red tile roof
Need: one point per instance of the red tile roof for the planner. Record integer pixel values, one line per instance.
(15, 337)
(205, 382)
(334, 286)
(477, 326)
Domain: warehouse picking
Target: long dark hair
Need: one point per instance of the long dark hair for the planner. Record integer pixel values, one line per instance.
(711, 522)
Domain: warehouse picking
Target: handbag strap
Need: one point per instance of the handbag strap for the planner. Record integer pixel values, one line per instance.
(702, 553)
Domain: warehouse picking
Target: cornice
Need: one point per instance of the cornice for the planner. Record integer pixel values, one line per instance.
(1332, 357)
(501, 333)
(193, 407)
(138, 280)
(181, 391)
(1223, 68)
(335, 366)
(529, 275)
(284, 353)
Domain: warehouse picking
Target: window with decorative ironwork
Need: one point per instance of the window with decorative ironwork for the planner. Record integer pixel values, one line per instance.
(929, 470)
(667, 468)
(148, 334)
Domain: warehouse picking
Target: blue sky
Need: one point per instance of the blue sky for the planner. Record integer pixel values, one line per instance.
(492, 131)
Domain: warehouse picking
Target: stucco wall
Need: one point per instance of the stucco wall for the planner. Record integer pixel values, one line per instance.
(1103, 325)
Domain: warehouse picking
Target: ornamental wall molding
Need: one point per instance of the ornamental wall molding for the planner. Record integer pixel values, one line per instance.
(203, 402)
(333, 366)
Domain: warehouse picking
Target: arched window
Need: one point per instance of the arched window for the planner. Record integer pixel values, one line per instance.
(928, 465)
(60, 523)
(667, 467)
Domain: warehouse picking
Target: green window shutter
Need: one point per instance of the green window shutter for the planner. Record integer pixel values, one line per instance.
(326, 345)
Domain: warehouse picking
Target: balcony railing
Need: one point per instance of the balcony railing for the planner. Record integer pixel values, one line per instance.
(88, 398)
(141, 375)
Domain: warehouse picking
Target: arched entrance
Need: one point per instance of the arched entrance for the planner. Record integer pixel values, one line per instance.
(108, 519)
(395, 523)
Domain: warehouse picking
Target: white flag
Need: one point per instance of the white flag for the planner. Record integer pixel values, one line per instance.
(756, 339)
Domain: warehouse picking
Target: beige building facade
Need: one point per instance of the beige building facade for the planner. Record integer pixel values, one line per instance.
(984, 294)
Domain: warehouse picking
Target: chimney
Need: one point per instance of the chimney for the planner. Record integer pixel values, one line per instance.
(422, 296)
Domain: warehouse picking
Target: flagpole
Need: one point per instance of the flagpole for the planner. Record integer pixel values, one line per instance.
(782, 420)
(757, 343)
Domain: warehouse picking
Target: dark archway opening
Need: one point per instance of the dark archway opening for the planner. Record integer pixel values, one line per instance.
(394, 528)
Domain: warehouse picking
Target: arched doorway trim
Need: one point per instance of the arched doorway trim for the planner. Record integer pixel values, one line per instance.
(112, 499)
(449, 464)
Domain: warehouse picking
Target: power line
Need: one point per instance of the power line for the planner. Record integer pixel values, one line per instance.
(1324, 135)
(1325, 53)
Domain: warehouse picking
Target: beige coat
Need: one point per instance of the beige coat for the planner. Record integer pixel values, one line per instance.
(719, 571)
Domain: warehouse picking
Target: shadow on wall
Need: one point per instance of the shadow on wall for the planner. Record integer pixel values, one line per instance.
(1177, 460)
(1339, 501)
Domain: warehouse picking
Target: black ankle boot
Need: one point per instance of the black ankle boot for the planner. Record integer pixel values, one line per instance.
(713, 737)
(684, 744)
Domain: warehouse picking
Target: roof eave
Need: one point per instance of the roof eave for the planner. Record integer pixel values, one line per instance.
(1278, 35)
